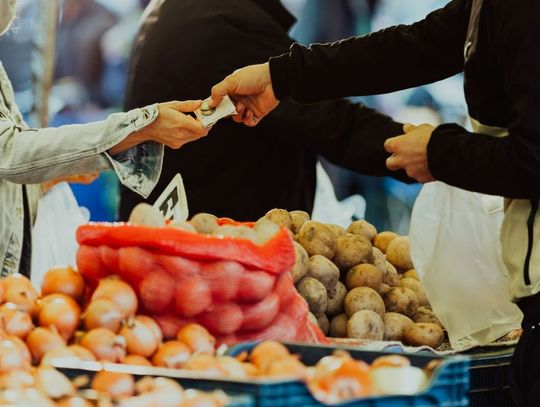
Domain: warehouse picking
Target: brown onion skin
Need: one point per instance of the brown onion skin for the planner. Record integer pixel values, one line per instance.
(63, 313)
(105, 345)
(18, 289)
(171, 354)
(103, 313)
(119, 292)
(65, 281)
(117, 385)
(41, 340)
(140, 338)
(15, 321)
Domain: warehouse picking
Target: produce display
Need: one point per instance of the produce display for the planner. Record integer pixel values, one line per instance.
(359, 283)
(232, 278)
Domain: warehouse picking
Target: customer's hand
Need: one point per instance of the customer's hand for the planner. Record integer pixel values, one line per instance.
(409, 152)
(251, 90)
(173, 127)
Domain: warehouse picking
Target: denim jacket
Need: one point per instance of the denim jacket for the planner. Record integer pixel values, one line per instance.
(32, 156)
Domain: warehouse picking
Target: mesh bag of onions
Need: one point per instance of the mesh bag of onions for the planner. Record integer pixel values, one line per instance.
(235, 279)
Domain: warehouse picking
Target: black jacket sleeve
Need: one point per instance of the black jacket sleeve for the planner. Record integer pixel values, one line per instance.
(508, 166)
(392, 59)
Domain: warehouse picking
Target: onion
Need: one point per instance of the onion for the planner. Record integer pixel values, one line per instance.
(197, 338)
(117, 385)
(206, 364)
(74, 402)
(140, 337)
(11, 357)
(19, 290)
(22, 347)
(103, 313)
(58, 353)
(136, 360)
(153, 325)
(63, 281)
(53, 383)
(171, 354)
(14, 321)
(63, 313)
(119, 292)
(82, 353)
(16, 379)
(105, 345)
(41, 340)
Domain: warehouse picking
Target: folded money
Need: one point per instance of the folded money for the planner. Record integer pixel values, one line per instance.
(209, 116)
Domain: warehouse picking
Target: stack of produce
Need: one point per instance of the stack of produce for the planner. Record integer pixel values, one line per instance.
(231, 278)
(359, 283)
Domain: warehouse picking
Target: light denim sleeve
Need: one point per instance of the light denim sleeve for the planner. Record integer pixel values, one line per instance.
(31, 156)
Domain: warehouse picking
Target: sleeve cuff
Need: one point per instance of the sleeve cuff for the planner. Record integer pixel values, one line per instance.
(440, 148)
(279, 72)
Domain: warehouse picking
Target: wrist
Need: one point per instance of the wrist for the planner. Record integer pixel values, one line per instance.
(278, 73)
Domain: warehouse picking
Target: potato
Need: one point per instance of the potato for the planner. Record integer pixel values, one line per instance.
(188, 227)
(392, 277)
(336, 300)
(322, 269)
(384, 289)
(366, 324)
(363, 228)
(205, 223)
(402, 300)
(324, 324)
(383, 239)
(279, 217)
(314, 293)
(418, 289)
(317, 239)
(265, 230)
(240, 232)
(425, 314)
(379, 260)
(312, 318)
(300, 267)
(412, 273)
(364, 275)
(146, 215)
(338, 326)
(394, 325)
(398, 254)
(352, 250)
(419, 334)
(298, 218)
(337, 230)
(364, 298)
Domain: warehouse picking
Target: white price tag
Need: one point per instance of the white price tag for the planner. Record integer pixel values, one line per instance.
(172, 202)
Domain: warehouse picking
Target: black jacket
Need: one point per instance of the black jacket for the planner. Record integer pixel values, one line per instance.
(237, 171)
(502, 86)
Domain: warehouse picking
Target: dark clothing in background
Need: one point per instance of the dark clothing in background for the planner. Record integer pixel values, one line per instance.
(502, 86)
(184, 48)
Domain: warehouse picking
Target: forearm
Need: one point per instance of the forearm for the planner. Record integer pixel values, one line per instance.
(389, 60)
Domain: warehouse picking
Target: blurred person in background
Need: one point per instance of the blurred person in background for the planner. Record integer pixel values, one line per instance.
(129, 143)
(242, 172)
(495, 44)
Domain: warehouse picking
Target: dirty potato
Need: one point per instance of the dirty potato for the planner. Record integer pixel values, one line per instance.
(364, 275)
(336, 300)
(426, 314)
(324, 323)
(298, 218)
(391, 277)
(412, 273)
(315, 295)
(146, 215)
(322, 269)
(402, 300)
(205, 223)
(383, 239)
(364, 298)
(338, 326)
(399, 255)
(419, 334)
(337, 230)
(379, 260)
(352, 250)
(363, 228)
(366, 324)
(300, 267)
(279, 217)
(394, 326)
(317, 238)
(418, 289)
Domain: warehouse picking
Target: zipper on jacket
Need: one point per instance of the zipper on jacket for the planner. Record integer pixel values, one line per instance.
(530, 233)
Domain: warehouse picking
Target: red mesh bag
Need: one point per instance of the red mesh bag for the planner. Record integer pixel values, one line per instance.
(238, 290)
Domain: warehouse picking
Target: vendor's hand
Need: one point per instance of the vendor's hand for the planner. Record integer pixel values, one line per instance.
(172, 127)
(74, 179)
(409, 152)
(251, 90)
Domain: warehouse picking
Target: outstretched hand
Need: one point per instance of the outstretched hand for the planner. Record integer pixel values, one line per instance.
(251, 90)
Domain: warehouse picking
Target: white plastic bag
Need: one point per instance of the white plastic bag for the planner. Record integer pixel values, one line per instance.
(53, 235)
(455, 248)
(326, 207)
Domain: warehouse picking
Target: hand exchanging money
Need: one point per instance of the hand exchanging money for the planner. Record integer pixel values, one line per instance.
(251, 89)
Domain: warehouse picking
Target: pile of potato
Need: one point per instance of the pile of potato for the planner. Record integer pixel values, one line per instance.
(359, 283)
